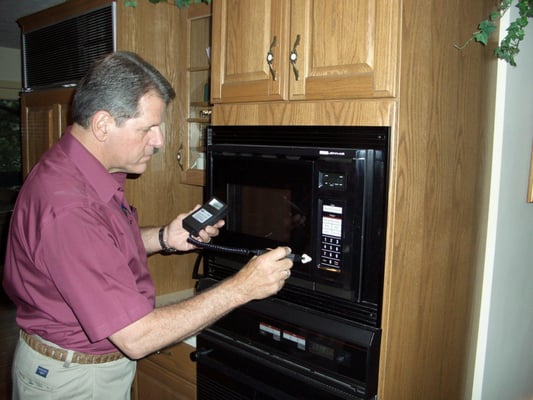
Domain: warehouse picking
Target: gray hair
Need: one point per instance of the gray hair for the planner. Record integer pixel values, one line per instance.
(115, 83)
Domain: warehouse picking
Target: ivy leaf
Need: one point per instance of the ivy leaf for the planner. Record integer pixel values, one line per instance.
(485, 30)
(495, 15)
(506, 54)
(481, 37)
(509, 45)
(487, 26)
(182, 3)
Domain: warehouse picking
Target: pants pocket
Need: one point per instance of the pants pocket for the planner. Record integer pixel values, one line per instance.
(30, 387)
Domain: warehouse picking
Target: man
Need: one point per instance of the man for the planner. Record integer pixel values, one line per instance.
(76, 264)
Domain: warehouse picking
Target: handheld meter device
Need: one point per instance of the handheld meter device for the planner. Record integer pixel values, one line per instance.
(208, 214)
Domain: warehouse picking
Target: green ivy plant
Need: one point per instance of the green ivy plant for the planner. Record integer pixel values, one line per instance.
(508, 48)
(178, 3)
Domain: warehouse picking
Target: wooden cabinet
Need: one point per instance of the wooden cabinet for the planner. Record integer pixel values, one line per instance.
(440, 122)
(304, 50)
(44, 117)
(168, 375)
(45, 112)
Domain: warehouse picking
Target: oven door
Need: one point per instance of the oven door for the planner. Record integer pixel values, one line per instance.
(313, 205)
(269, 203)
(229, 370)
(306, 340)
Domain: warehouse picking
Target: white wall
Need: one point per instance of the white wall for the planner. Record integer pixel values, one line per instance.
(10, 73)
(504, 357)
(10, 66)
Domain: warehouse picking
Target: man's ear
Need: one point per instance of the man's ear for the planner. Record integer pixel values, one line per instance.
(100, 124)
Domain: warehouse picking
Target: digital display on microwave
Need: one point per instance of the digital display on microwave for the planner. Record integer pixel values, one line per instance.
(270, 213)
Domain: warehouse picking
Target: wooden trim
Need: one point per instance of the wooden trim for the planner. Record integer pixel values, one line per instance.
(60, 12)
(345, 112)
(530, 186)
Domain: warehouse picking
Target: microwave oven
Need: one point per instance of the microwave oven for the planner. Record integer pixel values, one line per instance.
(322, 191)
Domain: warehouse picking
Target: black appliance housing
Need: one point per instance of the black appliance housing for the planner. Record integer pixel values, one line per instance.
(58, 55)
(322, 190)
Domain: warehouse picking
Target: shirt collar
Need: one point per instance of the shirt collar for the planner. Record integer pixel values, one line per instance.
(104, 183)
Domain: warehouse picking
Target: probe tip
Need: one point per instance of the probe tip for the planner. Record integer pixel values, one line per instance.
(305, 259)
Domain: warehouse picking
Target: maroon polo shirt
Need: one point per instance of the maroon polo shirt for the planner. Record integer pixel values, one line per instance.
(76, 267)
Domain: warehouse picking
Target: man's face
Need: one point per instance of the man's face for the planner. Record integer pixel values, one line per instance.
(131, 146)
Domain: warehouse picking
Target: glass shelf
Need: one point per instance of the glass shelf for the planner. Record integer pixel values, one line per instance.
(199, 113)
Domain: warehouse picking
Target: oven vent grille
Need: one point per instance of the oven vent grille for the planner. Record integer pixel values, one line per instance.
(58, 55)
(209, 388)
(367, 314)
(350, 137)
(363, 313)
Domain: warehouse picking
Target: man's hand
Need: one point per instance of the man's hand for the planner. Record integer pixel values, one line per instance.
(261, 277)
(264, 275)
(176, 236)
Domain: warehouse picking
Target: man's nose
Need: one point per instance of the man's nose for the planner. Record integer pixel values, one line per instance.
(158, 139)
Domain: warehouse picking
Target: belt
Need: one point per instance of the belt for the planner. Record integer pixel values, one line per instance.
(61, 354)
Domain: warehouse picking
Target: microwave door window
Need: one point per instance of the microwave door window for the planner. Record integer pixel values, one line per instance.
(269, 201)
(271, 215)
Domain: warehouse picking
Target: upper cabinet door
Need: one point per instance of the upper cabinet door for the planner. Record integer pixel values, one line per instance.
(344, 49)
(304, 49)
(249, 50)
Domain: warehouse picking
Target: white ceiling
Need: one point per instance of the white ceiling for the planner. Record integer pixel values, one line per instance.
(10, 11)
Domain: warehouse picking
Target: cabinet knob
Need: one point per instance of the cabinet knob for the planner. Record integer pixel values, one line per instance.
(293, 57)
(179, 157)
(205, 113)
(270, 57)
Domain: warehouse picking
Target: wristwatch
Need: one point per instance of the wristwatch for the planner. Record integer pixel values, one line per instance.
(165, 249)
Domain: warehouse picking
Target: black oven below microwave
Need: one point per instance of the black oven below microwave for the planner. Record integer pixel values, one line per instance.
(227, 370)
(322, 190)
(253, 353)
(343, 351)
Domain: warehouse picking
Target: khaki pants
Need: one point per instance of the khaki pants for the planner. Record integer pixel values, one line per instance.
(36, 376)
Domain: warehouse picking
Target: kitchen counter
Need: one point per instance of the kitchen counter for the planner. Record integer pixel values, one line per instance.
(176, 297)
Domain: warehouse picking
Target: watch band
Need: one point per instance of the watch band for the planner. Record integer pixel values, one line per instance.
(165, 249)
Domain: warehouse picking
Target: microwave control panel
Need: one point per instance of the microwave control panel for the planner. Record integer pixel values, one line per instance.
(332, 191)
(330, 180)
(331, 237)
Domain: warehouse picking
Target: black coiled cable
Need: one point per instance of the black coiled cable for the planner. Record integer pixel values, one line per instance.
(225, 249)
